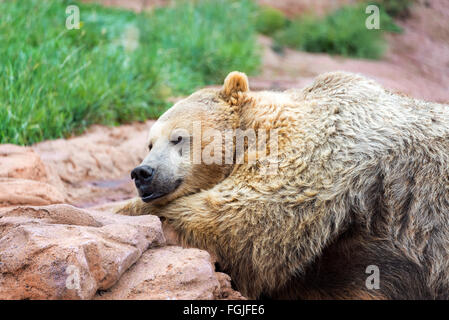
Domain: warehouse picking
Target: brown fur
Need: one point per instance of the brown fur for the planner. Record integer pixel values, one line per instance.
(363, 180)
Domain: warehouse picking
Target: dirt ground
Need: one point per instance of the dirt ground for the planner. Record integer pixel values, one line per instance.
(416, 63)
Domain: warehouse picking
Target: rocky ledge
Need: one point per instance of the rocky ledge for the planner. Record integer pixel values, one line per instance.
(53, 250)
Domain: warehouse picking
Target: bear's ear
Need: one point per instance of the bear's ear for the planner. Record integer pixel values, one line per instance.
(234, 83)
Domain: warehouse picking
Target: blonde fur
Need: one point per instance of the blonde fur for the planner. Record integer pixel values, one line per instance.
(360, 169)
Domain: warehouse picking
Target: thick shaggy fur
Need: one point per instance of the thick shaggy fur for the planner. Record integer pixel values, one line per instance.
(363, 180)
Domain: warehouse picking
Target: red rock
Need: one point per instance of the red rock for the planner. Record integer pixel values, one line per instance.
(21, 162)
(61, 252)
(171, 273)
(24, 179)
(28, 192)
(225, 291)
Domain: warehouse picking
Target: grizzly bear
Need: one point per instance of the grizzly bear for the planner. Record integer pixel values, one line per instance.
(357, 206)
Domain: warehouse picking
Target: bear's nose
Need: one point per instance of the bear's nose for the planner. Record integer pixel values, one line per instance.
(142, 174)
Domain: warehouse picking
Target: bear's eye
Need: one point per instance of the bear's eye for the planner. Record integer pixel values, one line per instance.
(177, 140)
(150, 147)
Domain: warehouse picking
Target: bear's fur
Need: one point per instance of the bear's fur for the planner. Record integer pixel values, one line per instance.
(363, 180)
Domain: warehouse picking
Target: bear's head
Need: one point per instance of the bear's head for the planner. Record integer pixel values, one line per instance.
(187, 146)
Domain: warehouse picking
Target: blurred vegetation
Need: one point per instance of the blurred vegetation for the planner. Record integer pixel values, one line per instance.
(269, 20)
(396, 8)
(342, 32)
(123, 66)
(55, 82)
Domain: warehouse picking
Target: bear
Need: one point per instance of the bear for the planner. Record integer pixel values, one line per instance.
(356, 207)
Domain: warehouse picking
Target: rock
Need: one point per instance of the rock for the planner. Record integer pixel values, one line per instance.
(21, 162)
(109, 207)
(171, 237)
(28, 192)
(24, 178)
(101, 153)
(61, 252)
(134, 277)
(169, 273)
(95, 167)
(225, 291)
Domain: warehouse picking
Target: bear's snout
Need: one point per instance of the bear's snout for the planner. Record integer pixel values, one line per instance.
(142, 175)
(151, 185)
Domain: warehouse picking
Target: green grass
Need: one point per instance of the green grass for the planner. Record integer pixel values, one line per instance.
(55, 82)
(342, 32)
